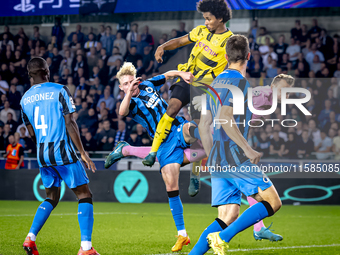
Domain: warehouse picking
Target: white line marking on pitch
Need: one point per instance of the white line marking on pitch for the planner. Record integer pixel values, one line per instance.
(66, 214)
(151, 214)
(266, 248)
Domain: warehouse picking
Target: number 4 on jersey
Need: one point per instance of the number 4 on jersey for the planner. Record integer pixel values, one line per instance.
(43, 125)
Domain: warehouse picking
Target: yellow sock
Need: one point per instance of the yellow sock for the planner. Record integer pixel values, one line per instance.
(162, 131)
(196, 170)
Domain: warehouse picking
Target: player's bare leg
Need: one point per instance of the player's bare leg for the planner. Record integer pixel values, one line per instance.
(170, 174)
(85, 219)
(123, 149)
(42, 214)
(163, 129)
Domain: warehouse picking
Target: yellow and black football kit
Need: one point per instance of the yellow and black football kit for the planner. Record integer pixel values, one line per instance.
(207, 60)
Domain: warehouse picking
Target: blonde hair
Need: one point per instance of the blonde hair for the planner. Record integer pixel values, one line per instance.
(127, 69)
(288, 78)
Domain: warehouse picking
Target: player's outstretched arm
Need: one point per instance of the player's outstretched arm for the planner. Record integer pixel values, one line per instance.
(186, 76)
(72, 128)
(235, 134)
(205, 132)
(171, 45)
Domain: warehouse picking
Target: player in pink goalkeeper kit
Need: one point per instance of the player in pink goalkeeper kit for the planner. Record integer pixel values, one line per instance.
(263, 95)
(262, 99)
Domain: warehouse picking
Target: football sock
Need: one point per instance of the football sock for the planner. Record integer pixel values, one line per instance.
(176, 208)
(202, 245)
(86, 245)
(32, 236)
(193, 130)
(42, 214)
(162, 131)
(139, 152)
(259, 225)
(85, 219)
(196, 167)
(249, 217)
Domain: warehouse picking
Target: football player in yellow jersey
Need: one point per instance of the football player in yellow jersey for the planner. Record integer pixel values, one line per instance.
(207, 60)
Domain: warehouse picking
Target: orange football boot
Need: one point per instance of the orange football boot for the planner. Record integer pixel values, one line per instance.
(181, 241)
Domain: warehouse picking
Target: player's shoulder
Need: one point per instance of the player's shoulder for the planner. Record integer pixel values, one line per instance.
(201, 29)
(226, 34)
(56, 86)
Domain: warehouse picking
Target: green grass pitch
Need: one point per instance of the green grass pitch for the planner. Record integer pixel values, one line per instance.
(149, 229)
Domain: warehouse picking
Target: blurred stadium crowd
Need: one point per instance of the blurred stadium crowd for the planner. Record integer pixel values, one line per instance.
(88, 63)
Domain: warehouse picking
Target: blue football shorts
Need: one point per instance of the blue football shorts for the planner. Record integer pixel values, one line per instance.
(73, 174)
(227, 187)
(172, 149)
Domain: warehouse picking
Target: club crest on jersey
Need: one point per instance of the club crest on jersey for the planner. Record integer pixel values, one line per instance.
(149, 89)
(256, 92)
(215, 42)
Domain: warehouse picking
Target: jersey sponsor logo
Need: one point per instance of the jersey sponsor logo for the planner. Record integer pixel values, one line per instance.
(39, 97)
(153, 100)
(206, 48)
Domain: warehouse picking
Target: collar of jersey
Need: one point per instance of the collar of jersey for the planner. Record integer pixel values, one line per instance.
(234, 70)
(222, 33)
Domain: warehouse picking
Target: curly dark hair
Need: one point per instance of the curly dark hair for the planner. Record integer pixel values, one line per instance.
(218, 8)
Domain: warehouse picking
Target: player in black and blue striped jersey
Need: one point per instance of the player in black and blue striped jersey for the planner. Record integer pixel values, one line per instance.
(231, 158)
(47, 113)
(143, 103)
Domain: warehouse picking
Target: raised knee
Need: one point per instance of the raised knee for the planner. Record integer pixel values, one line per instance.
(272, 206)
(277, 205)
